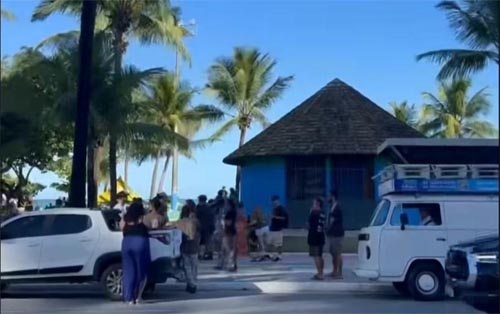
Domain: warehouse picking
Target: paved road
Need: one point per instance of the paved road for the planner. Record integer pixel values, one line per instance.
(267, 287)
(81, 299)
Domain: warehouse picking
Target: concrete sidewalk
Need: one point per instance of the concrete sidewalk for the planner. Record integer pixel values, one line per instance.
(293, 267)
(291, 275)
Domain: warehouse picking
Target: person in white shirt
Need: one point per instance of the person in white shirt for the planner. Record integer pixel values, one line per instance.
(121, 204)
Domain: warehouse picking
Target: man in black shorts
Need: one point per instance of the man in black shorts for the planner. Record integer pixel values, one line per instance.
(316, 236)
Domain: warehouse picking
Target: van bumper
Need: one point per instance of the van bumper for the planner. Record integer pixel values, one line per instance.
(366, 273)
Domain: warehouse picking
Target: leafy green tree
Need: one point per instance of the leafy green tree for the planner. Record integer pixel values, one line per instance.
(62, 168)
(31, 134)
(454, 114)
(242, 85)
(147, 20)
(475, 23)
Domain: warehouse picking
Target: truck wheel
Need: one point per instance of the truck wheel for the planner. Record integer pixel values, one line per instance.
(426, 282)
(3, 286)
(401, 287)
(111, 282)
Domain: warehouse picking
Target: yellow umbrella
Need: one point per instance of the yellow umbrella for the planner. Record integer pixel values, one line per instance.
(105, 198)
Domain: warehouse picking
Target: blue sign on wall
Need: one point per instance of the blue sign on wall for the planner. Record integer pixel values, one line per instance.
(439, 186)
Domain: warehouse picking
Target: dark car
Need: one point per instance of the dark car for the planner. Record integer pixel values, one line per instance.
(473, 270)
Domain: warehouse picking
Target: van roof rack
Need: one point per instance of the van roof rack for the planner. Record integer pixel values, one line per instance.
(427, 178)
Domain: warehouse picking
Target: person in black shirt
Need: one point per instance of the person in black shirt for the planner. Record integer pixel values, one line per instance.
(136, 255)
(206, 217)
(335, 233)
(316, 236)
(228, 250)
(279, 221)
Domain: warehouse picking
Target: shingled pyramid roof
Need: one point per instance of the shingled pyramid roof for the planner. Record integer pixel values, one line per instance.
(335, 120)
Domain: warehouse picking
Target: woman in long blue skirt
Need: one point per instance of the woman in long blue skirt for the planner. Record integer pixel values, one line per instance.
(136, 255)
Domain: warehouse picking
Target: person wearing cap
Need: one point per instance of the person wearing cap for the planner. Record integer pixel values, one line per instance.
(279, 221)
(121, 204)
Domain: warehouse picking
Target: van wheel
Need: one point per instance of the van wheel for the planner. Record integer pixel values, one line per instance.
(426, 282)
(3, 287)
(401, 287)
(111, 282)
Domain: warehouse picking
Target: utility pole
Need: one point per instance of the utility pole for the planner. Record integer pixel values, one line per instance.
(79, 166)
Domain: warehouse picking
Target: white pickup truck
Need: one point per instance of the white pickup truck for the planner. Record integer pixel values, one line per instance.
(78, 246)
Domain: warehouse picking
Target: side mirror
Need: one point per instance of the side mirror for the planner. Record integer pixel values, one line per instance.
(404, 220)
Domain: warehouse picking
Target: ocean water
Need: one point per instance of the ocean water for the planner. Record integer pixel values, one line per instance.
(42, 203)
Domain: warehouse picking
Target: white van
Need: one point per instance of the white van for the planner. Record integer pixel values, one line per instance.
(418, 218)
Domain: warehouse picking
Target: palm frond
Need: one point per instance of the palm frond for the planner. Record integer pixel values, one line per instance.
(274, 92)
(48, 7)
(470, 23)
(207, 113)
(8, 16)
(480, 129)
(459, 62)
(222, 131)
(260, 118)
(62, 41)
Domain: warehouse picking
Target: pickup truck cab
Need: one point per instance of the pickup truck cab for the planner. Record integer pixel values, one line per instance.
(78, 246)
(473, 270)
(425, 209)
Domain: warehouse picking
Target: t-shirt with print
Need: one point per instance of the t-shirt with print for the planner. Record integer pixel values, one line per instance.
(316, 234)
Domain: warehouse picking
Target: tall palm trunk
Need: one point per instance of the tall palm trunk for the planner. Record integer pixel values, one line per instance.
(163, 178)
(92, 183)
(155, 174)
(113, 148)
(78, 172)
(118, 44)
(243, 134)
(175, 150)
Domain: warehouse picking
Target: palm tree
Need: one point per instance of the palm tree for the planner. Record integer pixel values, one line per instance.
(475, 24)
(137, 18)
(171, 105)
(453, 114)
(405, 113)
(241, 85)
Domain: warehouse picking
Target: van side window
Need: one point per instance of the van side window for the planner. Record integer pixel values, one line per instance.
(419, 214)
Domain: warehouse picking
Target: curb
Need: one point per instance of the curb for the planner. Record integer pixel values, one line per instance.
(278, 287)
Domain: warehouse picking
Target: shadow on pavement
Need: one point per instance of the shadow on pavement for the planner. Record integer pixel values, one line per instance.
(94, 292)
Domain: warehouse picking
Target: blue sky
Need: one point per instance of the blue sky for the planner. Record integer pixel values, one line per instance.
(370, 45)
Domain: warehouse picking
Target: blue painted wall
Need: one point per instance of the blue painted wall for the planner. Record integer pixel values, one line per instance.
(260, 179)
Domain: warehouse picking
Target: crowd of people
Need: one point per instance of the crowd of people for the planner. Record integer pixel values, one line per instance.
(220, 228)
(216, 227)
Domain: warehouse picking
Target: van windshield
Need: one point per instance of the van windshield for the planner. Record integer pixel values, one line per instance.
(380, 213)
